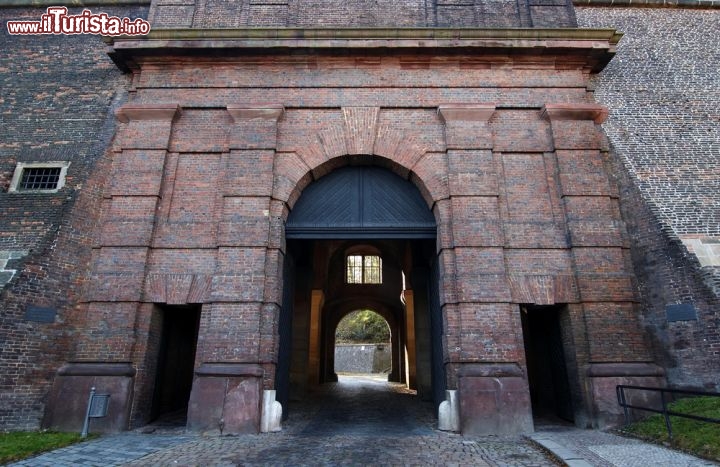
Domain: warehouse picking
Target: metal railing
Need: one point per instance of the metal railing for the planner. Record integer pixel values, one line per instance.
(622, 400)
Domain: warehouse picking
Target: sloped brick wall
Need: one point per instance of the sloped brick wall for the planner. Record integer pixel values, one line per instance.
(59, 93)
(662, 90)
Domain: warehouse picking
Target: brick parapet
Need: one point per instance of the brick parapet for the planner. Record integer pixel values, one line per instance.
(592, 47)
(27, 4)
(338, 13)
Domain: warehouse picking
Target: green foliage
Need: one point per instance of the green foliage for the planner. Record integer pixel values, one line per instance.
(362, 326)
(699, 438)
(18, 445)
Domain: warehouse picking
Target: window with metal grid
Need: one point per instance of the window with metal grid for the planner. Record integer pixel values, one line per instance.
(364, 269)
(40, 178)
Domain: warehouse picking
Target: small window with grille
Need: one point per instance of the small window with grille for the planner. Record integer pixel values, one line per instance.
(40, 176)
(364, 269)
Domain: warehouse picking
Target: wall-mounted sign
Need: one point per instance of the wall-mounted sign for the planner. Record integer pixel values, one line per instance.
(40, 314)
(681, 312)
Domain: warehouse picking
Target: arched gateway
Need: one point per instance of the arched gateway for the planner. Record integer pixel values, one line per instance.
(257, 193)
(360, 237)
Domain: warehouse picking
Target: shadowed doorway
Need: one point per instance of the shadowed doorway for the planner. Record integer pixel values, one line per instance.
(360, 238)
(362, 344)
(547, 363)
(176, 360)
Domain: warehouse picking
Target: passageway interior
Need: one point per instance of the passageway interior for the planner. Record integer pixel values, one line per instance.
(360, 238)
(178, 326)
(332, 278)
(361, 405)
(547, 363)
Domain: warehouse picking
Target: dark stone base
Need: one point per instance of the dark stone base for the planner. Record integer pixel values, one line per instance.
(226, 398)
(602, 381)
(68, 399)
(494, 400)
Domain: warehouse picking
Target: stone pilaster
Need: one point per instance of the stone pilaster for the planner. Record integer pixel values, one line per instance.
(237, 344)
(601, 259)
(481, 325)
(117, 277)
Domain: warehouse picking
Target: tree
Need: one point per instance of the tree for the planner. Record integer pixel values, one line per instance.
(363, 326)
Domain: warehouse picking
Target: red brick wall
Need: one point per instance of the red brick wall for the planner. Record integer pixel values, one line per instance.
(665, 155)
(59, 93)
(362, 13)
(519, 221)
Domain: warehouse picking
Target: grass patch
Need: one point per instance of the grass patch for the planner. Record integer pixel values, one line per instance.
(17, 445)
(698, 438)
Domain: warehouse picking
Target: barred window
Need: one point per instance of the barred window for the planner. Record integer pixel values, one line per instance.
(39, 176)
(364, 269)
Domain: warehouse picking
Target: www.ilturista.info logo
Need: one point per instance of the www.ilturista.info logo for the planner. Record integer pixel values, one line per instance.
(57, 21)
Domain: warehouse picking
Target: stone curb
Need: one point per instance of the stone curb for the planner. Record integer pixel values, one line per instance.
(566, 456)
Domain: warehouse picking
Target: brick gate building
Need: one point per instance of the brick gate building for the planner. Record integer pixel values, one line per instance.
(273, 166)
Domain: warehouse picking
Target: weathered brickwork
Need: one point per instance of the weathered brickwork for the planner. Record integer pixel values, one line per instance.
(184, 209)
(665, 146)
(213, 241)
(361, 13)
(58, 96)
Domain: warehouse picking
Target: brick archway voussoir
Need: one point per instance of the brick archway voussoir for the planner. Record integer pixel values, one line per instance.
(291, 176)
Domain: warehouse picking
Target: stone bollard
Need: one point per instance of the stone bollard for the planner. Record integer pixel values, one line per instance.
(448, 412)
(271, 412)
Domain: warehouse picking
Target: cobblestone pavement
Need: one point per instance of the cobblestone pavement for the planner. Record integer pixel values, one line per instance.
(358, 421)
(363, 421)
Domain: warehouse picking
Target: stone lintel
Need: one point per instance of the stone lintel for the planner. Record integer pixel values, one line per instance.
(160, 112)
(543, 289)
(230, 370)
(593, 47)
(240, 112)
(331, 37)
(97, 369)
(466, 112)
(606, 370)
(575, 111)
(491, 370)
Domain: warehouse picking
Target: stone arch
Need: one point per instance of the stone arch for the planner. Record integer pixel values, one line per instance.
(344, 309)
(390, 314)
(362, 140)
(335, 312)
(358, 139)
